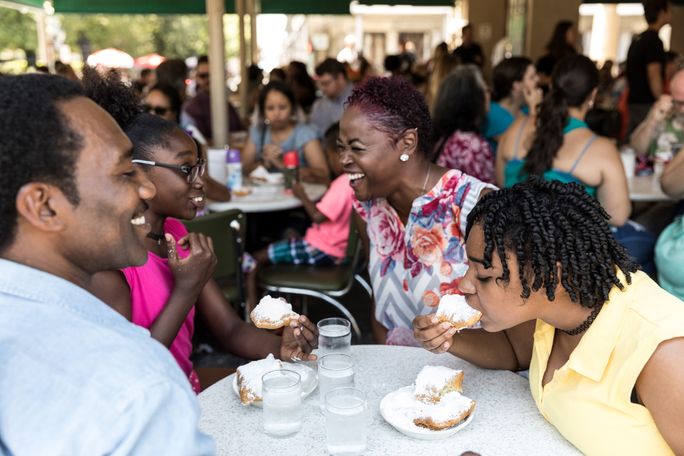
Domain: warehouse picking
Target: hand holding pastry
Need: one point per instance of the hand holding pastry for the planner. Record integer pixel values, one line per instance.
(299, 338)
(433, 336)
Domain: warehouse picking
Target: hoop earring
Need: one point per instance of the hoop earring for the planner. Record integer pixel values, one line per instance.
(267, 122)
(404, 157)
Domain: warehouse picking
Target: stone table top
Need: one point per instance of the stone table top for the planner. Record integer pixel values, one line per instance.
(506, 420)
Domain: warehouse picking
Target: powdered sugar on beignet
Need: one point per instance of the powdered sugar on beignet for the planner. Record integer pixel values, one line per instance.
(249, 378)
(433, 382)
(452, 409)
(272, 313)
(455, 310)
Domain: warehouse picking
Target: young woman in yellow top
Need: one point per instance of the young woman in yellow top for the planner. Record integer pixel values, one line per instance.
(603, 343)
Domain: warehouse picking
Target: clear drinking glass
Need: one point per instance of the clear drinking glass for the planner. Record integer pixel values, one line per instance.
(346, 421)
(282, 402)
(334, 336)
(335, 370)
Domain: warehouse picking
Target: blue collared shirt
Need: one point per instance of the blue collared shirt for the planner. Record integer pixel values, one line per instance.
(78, 378)
(327, 111)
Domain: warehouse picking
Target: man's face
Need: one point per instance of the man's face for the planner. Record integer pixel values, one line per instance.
(106, 230)
(202, 77)
(331, 86)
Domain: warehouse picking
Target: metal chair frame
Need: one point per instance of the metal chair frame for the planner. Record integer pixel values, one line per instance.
(329, 296)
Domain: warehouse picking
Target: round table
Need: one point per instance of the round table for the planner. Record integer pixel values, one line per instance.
(506, 420)
(646, 188)
(268, 199)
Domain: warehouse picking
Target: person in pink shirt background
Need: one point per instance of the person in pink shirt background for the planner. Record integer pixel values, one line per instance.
(325, 242)
(176, 282)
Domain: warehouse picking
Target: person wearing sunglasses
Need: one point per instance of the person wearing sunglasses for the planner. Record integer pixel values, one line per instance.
(164, 101)
(165, 293)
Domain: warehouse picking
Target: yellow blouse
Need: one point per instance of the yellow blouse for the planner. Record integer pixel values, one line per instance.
(588, 398)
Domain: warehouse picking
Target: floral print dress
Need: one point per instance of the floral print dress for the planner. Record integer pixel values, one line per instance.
(411, 267)
(469, 152)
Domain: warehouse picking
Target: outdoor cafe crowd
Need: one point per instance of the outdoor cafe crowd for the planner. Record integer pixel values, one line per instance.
(513, 194)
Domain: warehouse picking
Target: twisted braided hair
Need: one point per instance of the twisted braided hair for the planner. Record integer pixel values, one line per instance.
(572, 81)
(546, 224)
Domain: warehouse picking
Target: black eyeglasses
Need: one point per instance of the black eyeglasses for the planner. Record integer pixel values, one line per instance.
(192, 173)
(203, 75)
(158, 110)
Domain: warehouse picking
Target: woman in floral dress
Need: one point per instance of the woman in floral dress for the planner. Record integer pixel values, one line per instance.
(413, 211)
(460, 110)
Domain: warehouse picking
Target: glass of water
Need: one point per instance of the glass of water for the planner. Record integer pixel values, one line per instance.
(334, 336)
(282, 402)
(335, 370)
(346, 421)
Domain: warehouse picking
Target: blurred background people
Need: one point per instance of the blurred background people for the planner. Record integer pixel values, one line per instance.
(469, 51)
(646, 62)
(562, 43)
(460, 110)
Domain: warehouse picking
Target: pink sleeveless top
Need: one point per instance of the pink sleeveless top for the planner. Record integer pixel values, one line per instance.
(151, 285)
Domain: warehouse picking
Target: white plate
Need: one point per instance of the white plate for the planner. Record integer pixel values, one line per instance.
(309, 380)
(396, 408)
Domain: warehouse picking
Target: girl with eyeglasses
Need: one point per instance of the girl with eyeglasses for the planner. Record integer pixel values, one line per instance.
(176, 282)
(164, 101)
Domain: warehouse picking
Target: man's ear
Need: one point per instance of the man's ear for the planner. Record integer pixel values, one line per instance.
(42, 205)
(408, 143)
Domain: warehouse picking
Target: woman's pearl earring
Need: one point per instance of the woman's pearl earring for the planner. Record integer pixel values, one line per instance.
(267, 122)
(404, 157)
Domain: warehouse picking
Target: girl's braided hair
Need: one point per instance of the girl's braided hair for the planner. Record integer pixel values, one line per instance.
(553, 229)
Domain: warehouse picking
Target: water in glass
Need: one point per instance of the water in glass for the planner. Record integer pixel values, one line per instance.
(346, 421)
(334, 336)
(335, 370)
(282, 403)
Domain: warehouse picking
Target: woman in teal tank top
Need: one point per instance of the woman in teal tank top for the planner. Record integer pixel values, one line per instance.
(559, 146)
(514, 172)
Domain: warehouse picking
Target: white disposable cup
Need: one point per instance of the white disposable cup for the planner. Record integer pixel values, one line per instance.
(216, 164)
(628, 158)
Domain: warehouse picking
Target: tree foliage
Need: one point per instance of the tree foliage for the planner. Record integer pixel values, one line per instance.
(171, 36)
(17, 30)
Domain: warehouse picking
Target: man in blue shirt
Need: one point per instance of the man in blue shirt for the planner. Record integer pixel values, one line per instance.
(76, 377)
(336, 88)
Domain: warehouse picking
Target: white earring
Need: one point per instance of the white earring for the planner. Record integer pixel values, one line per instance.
(404, 157)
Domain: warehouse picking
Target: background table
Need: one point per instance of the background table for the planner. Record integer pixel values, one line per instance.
(646, 188)
(506, 420)
(267, 199)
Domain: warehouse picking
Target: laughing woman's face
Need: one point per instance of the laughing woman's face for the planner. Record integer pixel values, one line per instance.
(369, 157)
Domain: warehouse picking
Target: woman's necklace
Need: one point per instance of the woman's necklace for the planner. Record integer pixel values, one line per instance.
(427, 177)
(586, 323)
